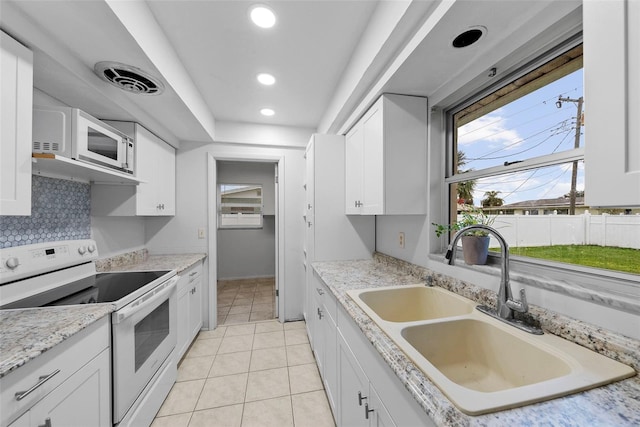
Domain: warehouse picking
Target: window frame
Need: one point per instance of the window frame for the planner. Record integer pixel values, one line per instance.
(611, 288)
(222, 226)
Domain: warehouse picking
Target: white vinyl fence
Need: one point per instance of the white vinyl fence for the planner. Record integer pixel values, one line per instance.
(546, 230)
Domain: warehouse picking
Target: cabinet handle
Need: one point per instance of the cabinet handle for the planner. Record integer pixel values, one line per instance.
(319, 313)
(193, 273)
(309, 224)
(367, 410)
(320, 291)
(47, 423)
(43, 379)
(361, 398)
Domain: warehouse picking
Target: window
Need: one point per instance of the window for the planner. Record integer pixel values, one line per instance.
(239, 206)
(519, 156)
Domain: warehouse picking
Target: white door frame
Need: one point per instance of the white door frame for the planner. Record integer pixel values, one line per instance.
(212, 222)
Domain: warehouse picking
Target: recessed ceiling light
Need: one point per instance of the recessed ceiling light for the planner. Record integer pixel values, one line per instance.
(267, 112)
(266, 79)
(469, 37)
(262, 16)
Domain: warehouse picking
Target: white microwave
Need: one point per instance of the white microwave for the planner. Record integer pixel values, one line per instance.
(72, 133)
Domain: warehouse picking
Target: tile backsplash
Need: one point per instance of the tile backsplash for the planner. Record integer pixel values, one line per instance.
(60, 210)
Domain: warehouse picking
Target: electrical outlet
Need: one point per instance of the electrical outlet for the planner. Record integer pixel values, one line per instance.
(201, 234)
(401, 239)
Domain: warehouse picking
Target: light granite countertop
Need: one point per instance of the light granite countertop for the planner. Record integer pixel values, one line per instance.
(178, 262)
(27, 333)
(617, 404)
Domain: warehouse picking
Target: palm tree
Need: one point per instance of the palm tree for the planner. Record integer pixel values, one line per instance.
(465, 189)
(491, 199)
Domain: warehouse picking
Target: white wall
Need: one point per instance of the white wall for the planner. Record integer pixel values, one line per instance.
(244, 253)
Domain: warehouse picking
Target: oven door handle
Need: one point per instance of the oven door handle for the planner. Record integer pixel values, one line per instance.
(149, 299)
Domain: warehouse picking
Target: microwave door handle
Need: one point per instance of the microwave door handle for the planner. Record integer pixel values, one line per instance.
(161, 295)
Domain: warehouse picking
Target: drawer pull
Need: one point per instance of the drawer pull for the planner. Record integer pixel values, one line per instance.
(367, 410)
(43, 379)
(320, 315)
(320, 291)
(47, 423)
(361, 398)
(193, 273)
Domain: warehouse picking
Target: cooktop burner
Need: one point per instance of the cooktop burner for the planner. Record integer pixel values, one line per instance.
(99, 288)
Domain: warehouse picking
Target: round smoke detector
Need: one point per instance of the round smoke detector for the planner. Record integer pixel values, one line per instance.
(129, 78)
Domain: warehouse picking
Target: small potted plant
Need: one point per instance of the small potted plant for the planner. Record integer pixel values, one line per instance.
(475, 243)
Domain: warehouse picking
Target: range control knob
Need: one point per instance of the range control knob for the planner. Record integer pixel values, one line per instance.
(82, 250)
(12, 263)
(91, 248)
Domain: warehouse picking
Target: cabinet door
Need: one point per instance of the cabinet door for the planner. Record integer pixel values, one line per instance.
(147, 170)
(167, 180)
(183, 339)
(353, 170)
(379, 417)
(330, 373)
(155, 164)
(83, 400)
(195, 307)
(373, 160)
(353, 387)
(16, 86)
(612, 93)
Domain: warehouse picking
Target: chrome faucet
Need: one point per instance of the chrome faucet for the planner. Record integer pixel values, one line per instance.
(506, 304)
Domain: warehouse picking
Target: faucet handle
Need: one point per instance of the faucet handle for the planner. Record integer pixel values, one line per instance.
(519, 306)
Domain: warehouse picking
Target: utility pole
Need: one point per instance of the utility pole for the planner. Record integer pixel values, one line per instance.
(574, 172)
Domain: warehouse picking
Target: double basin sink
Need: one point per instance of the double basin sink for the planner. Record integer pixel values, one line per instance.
(481, 364)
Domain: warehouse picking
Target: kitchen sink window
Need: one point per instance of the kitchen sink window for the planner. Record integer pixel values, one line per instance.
(517, 153)
(240, 206)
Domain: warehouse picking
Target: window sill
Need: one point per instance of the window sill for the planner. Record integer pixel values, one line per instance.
(612, 289)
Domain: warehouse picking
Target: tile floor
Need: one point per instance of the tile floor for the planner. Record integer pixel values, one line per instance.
(246, 300)
(253, 374)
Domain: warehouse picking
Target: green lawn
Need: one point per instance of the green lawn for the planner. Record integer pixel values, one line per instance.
(610, 258)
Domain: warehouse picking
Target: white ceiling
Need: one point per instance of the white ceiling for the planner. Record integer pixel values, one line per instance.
(331, 59)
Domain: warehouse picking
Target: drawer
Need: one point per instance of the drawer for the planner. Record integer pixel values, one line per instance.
(192, 273)
(324, 297)
(57, 364)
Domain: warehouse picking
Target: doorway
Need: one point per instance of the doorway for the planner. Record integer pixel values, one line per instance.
(246, 198)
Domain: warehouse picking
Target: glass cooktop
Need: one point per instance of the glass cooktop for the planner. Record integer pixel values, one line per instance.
(99, 288)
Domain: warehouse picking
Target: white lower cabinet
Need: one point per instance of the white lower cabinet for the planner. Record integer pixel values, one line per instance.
(324, 331)
(362, 389)
(78, 391)
(360, 404)
(189, 308)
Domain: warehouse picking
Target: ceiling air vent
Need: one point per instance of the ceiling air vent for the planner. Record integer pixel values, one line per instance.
(129, 78)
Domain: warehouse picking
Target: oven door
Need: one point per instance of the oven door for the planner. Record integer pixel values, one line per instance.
(144, 335)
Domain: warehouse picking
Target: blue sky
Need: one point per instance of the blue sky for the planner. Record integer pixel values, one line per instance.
(528, 127)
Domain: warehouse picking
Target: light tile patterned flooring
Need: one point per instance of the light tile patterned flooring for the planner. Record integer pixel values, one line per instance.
(253, 374)
(246, 300)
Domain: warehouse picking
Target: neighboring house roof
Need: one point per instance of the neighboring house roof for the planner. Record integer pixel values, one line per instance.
(241, 190)
(559, 202)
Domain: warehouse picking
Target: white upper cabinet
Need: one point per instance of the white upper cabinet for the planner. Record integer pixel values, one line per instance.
(155, 167)
(16, 86)
(612, 95)
(354, 143)
(386, 158)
